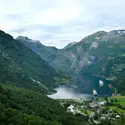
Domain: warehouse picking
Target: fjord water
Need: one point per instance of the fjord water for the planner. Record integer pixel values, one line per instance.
(86, 83)
(83, 88)
(68, 93)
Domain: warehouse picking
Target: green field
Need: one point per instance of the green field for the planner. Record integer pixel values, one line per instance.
(116, 101)
(86, 111)
(117, 109)
(120, 100)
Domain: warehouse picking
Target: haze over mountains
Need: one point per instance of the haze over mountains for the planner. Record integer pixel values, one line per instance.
(25, 80)
(22, 67)
(79, 55)
(62, 62)
(46, 53)
(38, 69)
(100, 54)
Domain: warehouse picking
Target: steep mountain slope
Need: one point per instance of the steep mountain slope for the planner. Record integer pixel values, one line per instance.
(25, 107)
(93, 51)
(22, 67)
(46, 53)
(100, 56)
(97, 56)
(70, 45)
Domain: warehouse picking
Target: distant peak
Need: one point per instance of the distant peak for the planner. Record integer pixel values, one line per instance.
(25, 38)
(22, 37)
(2, 31)
(100, 33)
(118, 31)
(5, 35)
(70, 45)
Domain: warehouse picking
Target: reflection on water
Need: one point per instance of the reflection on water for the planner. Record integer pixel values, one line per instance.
(84, 83)
(68, 93)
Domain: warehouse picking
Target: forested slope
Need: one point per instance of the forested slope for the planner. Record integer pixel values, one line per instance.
(25, 107)
(20, 66)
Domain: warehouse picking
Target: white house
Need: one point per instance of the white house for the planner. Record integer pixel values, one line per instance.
(71, 108)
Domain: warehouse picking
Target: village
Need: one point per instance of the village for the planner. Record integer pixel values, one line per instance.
(97, 109)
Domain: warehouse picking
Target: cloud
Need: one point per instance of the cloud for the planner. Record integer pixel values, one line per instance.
(58, 22)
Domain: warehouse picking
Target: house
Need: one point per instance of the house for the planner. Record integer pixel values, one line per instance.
(117, 116)
(102, 103)
(94, 105)
(70, 108)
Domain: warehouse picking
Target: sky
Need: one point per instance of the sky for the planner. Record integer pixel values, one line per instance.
(59, 22)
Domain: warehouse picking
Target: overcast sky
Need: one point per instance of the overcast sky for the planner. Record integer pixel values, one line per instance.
(58, 22)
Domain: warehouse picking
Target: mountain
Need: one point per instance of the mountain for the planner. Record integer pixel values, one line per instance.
(25, 79)
(99, 56)
(92, 50)
(46, 53)
(19, 106)
(78, 56)
(70, 45)
(20, 66)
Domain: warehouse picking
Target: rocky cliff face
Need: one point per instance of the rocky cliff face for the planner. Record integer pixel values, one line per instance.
(22, 67)
(93, 54)
(101, 54)
(46, 53)
(94, 51)
(70, 45)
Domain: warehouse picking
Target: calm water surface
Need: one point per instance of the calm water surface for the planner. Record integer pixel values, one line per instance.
(68, 93)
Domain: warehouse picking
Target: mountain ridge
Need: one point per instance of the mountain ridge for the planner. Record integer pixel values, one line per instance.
(93, 55)
(70, 45)
(22, 67)
(46, 53)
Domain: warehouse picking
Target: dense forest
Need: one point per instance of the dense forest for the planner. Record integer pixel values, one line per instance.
(22, 67)
(26, 79)
(100, 54)
(26, 107)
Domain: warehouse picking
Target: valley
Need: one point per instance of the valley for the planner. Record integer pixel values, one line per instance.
(99, 111)
(62, 62)
(97, 56)
(64, 92)
(31, 71)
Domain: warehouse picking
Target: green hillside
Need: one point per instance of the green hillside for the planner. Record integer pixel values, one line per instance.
(25, 107)
(20, 66)
(46, 53)
(101, 54)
